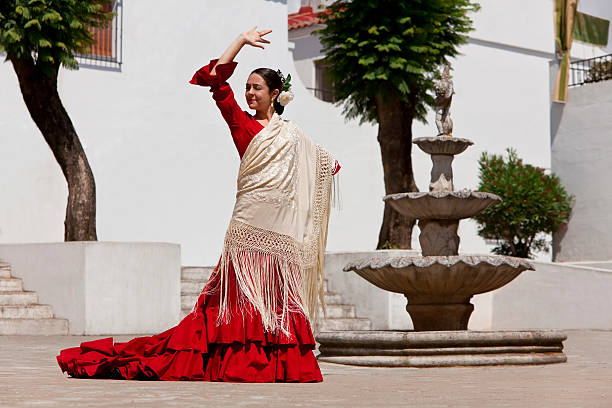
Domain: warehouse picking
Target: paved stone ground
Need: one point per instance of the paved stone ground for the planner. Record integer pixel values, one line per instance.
(30, 377)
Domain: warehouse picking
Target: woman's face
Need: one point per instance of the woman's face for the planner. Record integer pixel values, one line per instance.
(257, 93)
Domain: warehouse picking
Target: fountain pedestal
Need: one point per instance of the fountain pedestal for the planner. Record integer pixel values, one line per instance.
(435, 317)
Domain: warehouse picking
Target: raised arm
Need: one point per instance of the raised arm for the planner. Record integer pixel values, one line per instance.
(251, 37)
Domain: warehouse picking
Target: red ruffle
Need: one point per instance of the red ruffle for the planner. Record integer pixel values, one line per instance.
(199, 349)
(203, 77)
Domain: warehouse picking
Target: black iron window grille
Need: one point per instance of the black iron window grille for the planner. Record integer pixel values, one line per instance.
(590, 70)
(107, 51)
(325, 95)
(324, 86)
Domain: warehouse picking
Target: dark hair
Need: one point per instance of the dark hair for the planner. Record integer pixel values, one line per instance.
(274, 81)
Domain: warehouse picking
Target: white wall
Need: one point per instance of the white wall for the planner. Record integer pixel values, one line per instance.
(582, 147)
(162, 156)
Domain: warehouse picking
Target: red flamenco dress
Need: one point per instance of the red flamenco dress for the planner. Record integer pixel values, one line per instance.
(199, 348)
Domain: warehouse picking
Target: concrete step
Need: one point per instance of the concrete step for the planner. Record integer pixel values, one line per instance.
(26, 312)
(34, 327)
(190, 287)
(199, 273)
(11, 285)
(335, 320)
(187, 301)
(344, 324)
(337, 311)
(331, 323)
(18, 298)
(5, 270)
(333, 298)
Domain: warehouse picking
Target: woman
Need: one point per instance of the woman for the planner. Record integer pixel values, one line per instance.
(252, 322)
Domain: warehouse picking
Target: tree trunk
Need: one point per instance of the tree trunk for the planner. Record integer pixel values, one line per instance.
(395, 139)
(40, 94)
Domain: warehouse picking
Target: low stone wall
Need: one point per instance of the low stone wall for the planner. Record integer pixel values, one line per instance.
(385, 309)
(103, 287)
(554, 296)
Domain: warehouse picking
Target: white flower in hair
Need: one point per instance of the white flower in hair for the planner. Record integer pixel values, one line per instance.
(285, 97)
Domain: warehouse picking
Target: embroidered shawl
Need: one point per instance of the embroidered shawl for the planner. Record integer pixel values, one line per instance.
(276, 238)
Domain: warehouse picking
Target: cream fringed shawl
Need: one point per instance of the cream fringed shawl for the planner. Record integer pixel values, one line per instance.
(277, 235)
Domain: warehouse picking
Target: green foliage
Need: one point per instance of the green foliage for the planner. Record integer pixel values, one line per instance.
(287, 83)
(599, 71)
(533, 203)
(51, 31)
(393, 48)
(388, 245)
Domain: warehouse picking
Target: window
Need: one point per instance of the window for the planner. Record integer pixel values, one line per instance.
(324, 86)
(106, 51)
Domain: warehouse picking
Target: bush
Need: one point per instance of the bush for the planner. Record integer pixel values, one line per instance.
(533, 204)
(599, 71)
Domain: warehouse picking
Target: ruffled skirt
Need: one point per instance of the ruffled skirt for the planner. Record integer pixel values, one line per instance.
(199, 349)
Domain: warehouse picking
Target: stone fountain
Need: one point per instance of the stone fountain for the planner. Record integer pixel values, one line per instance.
(439, 284)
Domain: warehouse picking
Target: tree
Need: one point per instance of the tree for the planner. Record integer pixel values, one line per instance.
(533, 204)
(383, 58)
(40, 36)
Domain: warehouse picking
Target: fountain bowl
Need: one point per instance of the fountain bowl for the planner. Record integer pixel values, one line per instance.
(446, 145)
(445, 278)
(442, 205)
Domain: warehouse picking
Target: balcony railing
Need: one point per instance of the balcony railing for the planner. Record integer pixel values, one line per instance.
(590, 70)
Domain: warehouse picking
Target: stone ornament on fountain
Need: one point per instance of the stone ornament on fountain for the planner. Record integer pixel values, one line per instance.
(444, 96)
(439, 284)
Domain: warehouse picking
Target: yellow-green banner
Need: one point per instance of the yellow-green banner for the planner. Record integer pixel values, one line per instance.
(590, 29)
(565, 13)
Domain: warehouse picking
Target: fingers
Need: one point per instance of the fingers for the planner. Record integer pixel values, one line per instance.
(254, 44)
(264, 32)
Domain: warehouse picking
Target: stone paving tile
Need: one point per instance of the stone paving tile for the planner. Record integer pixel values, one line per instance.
(30, 377)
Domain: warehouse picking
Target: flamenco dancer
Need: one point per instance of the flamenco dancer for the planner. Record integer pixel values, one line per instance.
(252, 321)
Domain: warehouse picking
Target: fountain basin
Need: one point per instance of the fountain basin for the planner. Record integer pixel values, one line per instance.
(441, 349)
(439, 288)
(442, 144)
(442, 205)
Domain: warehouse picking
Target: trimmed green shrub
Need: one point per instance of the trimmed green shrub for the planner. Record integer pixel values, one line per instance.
(534, 204)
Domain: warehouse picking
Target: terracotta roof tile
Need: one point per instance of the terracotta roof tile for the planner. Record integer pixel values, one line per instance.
(305, 17)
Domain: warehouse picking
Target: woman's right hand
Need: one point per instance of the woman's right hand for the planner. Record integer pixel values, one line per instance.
(253, 37)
